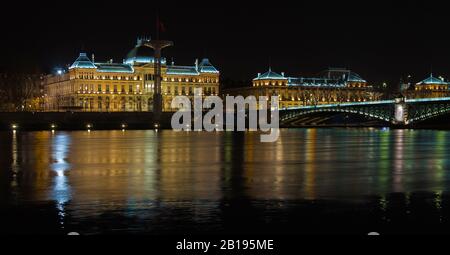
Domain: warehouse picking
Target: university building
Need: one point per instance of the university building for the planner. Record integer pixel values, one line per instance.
(332, 86)
(124, 87)
(430, 87)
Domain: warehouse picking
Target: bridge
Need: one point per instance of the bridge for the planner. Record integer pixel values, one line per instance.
(399, 111)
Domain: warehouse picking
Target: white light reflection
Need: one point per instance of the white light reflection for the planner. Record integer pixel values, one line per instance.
(61, 191)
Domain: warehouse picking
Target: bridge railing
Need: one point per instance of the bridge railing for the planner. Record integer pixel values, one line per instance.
(338, 105)
(415, 100)
(419, 100)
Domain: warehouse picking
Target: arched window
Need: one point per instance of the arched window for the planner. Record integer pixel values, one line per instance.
(107, 103)
(123, 103)
(99, 103)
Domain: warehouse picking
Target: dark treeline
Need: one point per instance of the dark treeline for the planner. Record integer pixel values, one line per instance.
(19, 91)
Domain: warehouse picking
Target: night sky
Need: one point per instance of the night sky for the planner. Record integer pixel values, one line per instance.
(380, 41)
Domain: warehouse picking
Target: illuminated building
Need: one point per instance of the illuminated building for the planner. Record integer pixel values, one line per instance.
(331, 86)
(121, 87)
(430, 87)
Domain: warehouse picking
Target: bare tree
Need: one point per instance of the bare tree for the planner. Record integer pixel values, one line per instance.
(18, 92)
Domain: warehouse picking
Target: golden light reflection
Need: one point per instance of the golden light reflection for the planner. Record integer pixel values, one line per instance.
(279, 189)
(92, 173)
(15, 162)
(249, 157)
(187, 171)
(310, 167)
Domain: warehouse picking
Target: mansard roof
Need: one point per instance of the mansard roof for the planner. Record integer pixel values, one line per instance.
(82, 62)
(270, 75)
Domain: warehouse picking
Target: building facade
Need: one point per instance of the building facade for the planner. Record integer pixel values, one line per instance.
(124, 87)
(331, 86)
(430, 87)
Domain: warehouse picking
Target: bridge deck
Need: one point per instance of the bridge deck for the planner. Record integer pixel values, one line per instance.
(418, 100)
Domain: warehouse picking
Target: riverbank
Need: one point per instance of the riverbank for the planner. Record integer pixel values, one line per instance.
(81, 120)
(35, 121)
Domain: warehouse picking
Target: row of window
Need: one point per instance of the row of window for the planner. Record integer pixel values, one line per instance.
(108, 77)
(356, 85)
(107, 103)
(270, 83)
(175, 90)
(431, 87)
(107, 88)
(205, 80)
(280, 83)
(148, 77)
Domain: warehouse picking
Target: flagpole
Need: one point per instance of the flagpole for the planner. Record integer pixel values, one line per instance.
(157, 26)
(157, 45)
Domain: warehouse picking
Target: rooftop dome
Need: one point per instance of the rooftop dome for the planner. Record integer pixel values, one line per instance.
(82, 62)
(141, 53)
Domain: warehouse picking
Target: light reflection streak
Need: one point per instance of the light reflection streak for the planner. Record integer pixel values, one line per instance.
(398, 160)
(310, 158)
(15, 167)
(61, 190)
(440, 153)
(139, 171)
(384, 154)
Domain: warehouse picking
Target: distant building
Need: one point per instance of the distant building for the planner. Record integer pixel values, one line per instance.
(334, 85)
(430, 87)
(123, 87)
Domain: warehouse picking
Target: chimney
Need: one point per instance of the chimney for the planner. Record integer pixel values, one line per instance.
(111, 61)
(93, 58)
(282, 74)
(196, 64)
(259, 74)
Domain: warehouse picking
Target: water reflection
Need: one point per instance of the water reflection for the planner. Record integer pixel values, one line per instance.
(210, 177)
(15, 162)
(61, 191)
(398, 160)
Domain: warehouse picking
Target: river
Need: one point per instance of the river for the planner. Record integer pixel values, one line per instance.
(309, 181)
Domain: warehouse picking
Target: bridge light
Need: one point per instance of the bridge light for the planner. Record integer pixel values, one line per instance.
(14, 126)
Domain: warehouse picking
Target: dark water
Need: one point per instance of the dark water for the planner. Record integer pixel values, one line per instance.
(309, 181)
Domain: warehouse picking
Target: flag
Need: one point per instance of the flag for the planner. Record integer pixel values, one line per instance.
(162, 28)
(159, 25)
